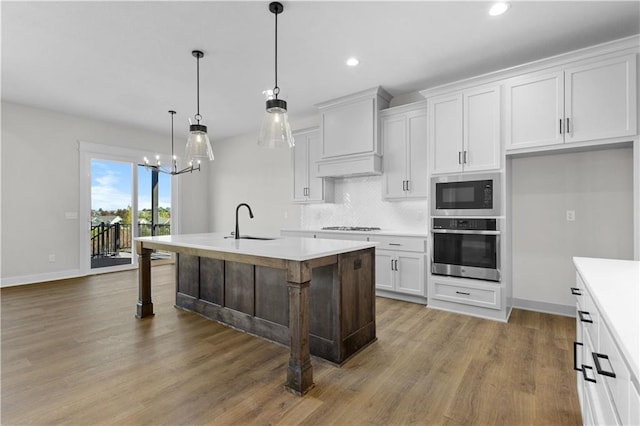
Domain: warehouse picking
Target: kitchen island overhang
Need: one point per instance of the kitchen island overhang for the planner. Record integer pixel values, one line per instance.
(242, 283)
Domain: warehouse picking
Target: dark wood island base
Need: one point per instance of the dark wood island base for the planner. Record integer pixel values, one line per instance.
(323, 306)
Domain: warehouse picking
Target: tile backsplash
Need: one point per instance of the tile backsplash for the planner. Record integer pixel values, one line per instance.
(358, 202)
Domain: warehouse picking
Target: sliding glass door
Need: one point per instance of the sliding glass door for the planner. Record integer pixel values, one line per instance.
(119, 201)
(111, 235)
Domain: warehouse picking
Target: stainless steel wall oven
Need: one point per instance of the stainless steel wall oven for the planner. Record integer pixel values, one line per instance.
(468, 248)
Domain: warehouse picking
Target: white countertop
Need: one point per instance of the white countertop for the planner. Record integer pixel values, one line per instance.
(288, 248)
(615, 287)
(388, 232)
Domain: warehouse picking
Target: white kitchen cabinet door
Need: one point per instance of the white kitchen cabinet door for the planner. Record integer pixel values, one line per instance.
(482, 148)
(384, 270)
(600, 99)
(535, 110)
(417, 177)
(316, 185)
(394, 137)
(300, 156)
(409, 273)
(445, 133)
(404, 140)
(307, 186)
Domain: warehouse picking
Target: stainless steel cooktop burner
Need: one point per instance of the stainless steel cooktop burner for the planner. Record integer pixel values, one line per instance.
(350, 228)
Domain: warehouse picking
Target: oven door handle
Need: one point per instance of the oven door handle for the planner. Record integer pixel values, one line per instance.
(464, 231)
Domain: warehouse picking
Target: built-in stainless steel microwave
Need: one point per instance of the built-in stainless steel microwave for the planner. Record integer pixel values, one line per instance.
(466, 195)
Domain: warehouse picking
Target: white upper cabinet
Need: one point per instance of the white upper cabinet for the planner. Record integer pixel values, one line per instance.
(481, 124)
(307, 186)
(600, 99)
(404, 141)
(464, 130)
(534, 109)
(595, 99)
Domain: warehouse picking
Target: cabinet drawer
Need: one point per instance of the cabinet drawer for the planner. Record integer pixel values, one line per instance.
(634, 405)
(589, 317)
(578, 291)
(486, 297)
(399, 243)
(618, 386)
(602, 409)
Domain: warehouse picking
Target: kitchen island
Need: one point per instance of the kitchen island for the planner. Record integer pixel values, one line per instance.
(316, 296)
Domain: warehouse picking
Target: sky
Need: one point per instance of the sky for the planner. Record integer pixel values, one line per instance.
(111, 186)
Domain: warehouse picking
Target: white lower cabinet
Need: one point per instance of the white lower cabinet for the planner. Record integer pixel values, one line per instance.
(400, 272)
(467, 292)
(606, 389)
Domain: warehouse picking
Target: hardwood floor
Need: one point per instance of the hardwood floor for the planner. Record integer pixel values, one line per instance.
(73, 353)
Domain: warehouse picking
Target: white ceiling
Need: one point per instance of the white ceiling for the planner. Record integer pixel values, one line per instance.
(130, 62)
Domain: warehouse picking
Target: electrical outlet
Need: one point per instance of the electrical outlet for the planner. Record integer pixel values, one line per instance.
(571, 215)
(52, 258)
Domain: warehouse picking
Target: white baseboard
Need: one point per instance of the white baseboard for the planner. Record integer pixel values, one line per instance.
(545, 307)
(402, 297)
(39, 278)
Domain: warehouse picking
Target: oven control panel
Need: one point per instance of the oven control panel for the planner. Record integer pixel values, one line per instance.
(466, 224)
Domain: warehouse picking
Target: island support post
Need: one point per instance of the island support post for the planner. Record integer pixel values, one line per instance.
(144, 308)
(299, 371)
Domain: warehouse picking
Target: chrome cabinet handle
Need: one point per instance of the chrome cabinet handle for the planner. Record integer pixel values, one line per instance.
(560, 126)
(596, 362)
(583, 317)
(459, 157)
(396, 263)
(407, 186)
(569, 126)
(464, 157)
(575, 291)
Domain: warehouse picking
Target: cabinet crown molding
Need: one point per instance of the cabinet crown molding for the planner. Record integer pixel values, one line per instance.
(621, 46)
(364, 94)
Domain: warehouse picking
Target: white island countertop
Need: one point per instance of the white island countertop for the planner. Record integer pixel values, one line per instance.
(615, 287)
(288, 248)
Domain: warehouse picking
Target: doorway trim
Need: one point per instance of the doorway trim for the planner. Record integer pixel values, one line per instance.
(91, 151)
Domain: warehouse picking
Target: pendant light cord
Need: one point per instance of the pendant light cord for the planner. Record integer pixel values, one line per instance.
(276, 89)
(198, 116)
(173, 160)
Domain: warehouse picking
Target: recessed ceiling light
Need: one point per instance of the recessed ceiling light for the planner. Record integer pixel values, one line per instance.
(498, 9)
(352, 62)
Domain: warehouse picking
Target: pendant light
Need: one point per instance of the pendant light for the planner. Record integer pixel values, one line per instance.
(198, 145)
(173, 170)
(275, 131)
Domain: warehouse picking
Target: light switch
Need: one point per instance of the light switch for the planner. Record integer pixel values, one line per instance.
(571, 215)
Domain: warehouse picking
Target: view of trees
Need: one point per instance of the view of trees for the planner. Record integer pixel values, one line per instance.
(125, 214)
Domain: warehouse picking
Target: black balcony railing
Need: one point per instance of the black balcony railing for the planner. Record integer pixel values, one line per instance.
(108, 240)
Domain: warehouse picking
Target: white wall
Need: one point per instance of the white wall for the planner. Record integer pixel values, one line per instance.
(598, 186)
(246, 173)
(40, 182)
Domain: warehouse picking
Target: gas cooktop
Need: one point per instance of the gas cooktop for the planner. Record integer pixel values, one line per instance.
(350, 228)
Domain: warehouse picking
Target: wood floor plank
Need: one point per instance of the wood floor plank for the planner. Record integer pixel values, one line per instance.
(73, 353)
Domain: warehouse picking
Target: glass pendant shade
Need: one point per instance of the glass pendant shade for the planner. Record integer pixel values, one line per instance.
(276, 131)
(198, 145)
